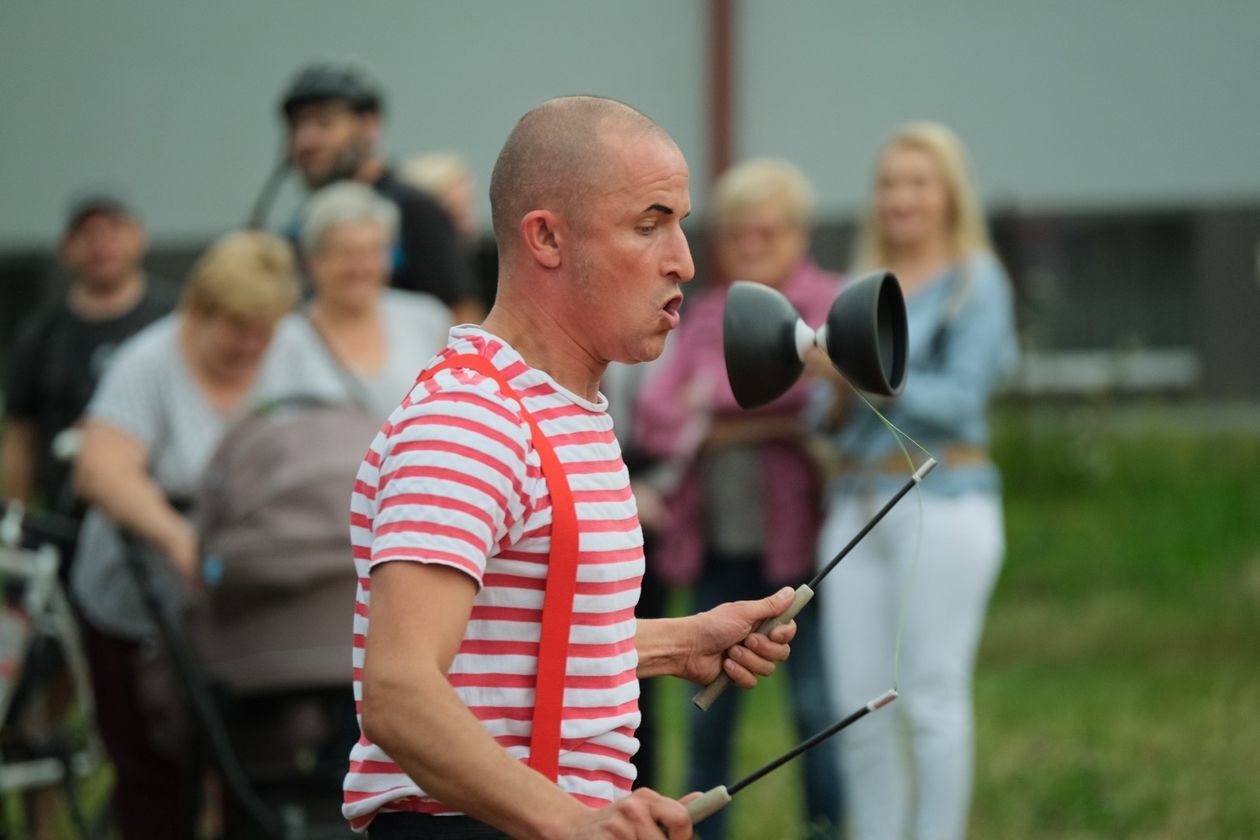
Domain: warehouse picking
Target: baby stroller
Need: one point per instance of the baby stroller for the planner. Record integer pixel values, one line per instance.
(39, 636)
(265, 647)
(274, 632)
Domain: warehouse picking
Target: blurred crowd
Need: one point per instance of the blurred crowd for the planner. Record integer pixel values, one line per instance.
(204, 449)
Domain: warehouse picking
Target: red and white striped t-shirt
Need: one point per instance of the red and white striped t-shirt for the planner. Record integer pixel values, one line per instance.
(453, 479)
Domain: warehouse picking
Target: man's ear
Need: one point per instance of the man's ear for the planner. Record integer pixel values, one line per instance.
(541, 236)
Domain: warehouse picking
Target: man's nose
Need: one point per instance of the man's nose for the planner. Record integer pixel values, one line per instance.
(681, 265)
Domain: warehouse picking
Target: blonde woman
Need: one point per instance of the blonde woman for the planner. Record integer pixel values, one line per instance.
(166, 399)
(925, 224)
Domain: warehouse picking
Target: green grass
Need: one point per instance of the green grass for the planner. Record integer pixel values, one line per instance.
(1118, 688)
(1118, 692)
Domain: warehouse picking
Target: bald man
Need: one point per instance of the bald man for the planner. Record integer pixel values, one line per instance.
(452, 515)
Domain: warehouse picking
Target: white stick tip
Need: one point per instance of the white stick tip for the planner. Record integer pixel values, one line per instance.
(882, 700)
(924, 469)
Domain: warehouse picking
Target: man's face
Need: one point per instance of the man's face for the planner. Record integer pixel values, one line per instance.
(631, 255)
(104, 249)
(328, 141)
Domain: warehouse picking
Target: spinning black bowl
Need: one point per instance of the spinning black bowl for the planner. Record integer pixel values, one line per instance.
(765, 341)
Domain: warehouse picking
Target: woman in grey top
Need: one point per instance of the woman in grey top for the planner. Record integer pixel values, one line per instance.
(371, 339)
(926, 226)
(162, 406)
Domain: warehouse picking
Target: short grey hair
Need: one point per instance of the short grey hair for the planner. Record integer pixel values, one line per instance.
(342, 203)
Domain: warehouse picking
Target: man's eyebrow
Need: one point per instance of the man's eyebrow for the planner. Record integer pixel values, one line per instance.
(662, 209)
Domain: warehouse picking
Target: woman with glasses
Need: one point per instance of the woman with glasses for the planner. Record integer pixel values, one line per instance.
(744, 518)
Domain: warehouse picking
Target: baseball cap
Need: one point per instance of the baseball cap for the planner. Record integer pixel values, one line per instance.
(87, 203)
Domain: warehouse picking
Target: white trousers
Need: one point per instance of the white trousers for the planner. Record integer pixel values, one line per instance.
(908, 768)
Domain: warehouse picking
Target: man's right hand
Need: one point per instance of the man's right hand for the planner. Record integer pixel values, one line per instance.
(643, 815)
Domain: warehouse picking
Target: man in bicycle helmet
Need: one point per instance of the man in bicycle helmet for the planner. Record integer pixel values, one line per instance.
(333, 116)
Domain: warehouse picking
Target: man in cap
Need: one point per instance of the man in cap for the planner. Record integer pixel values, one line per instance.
(57, 360)
(333, 115)
(453, 512)
(62, 350)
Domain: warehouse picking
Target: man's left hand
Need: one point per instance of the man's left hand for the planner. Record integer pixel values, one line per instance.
(723, 640)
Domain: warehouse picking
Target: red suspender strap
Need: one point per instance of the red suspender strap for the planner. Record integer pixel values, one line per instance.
(553, 649)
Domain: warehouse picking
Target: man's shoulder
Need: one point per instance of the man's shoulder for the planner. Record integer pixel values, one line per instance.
(34, 329)
(452, 373)
(453, 379)
(153, 304)
(30, 355)
(159, 299)
(458, 413)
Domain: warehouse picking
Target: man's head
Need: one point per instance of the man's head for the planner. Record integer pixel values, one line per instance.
(333, 114)
(103, 242)
(587, 200)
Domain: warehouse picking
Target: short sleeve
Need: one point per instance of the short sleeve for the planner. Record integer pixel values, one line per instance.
(129, 397)
(457, 476)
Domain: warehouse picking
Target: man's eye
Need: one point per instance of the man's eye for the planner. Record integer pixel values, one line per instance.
(645, 229)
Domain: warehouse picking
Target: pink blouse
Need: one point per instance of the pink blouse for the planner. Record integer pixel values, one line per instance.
(687, 392)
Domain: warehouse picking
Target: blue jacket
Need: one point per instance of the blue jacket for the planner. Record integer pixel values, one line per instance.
(962, 345)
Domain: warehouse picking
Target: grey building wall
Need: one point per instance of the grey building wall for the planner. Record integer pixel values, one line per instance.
(1065, 104)
(1116, 141)
(1070, 104)
(177, 100)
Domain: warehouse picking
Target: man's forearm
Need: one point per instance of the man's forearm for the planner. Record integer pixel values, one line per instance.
(664, 645)
(721, 640)
(428, 731)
